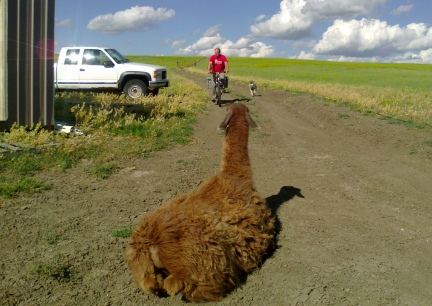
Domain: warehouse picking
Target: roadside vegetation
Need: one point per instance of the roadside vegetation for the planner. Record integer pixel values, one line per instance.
(112, 125)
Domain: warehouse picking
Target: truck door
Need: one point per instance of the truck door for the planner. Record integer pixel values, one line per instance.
(68, 73)
(95, 71)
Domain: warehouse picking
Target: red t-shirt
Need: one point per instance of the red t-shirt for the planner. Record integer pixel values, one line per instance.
(218, 63)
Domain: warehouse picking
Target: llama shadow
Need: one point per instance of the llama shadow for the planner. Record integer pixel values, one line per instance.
(273, 202)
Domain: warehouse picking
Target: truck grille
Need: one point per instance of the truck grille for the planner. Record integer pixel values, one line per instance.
(164, 74)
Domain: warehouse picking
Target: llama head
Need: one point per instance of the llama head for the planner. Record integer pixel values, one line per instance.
(237, 110)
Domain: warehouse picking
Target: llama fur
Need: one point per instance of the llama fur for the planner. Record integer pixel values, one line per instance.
(204, 243)
(253, 88)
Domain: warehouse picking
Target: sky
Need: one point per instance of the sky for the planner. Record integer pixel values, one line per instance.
(331, 30)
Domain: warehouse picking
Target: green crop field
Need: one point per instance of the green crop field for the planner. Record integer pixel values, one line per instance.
(416, 77)
(410, 76)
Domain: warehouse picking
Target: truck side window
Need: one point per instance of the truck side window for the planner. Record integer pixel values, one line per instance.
(94, 57)
(87, 57)
(91, 57)
(104, 58)
(72, 56)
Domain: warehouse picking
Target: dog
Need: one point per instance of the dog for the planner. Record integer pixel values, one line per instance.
(253, 87)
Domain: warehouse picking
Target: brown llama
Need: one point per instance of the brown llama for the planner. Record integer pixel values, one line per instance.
(203, 244)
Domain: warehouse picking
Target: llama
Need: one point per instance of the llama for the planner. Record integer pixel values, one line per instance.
(203, 244)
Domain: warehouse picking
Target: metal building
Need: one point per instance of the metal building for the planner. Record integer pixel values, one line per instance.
(26, 62)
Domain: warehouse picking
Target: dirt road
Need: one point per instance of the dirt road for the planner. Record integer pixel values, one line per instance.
(352, 194)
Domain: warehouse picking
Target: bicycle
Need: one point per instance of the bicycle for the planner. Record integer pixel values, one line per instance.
(218, 85)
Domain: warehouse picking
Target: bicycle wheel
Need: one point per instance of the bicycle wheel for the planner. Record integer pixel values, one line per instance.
(218, 94)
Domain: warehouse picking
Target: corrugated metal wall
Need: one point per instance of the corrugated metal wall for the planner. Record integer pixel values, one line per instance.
(30, 58)
(3, 108)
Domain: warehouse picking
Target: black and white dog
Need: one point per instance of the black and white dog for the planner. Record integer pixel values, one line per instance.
(252, 87)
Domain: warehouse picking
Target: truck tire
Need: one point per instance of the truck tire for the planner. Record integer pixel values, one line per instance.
(135, 89)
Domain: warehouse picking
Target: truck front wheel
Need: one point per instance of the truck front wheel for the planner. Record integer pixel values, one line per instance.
(135, 89)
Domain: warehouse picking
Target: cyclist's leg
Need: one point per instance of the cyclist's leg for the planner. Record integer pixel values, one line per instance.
(218, 94)
(214, 88)
(222, 78)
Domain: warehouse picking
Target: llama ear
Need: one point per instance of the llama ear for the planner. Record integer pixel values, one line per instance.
(226, 121)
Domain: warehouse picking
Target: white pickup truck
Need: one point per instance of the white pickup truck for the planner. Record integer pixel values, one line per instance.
(103, 68)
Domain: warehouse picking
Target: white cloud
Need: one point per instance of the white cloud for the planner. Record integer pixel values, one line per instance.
(260, 18)
(417, 37)
(243, 42)
(184, 52)
(426, 56)
(353, 59)
(207, 42)
(408, 57)
(304, 44)
(178, 43)
(357, 38)
(214, 30)
(238, 49)
(369, 38)
(137, 18)
(296, 18)
(67, 23)
(289, 23)
(305, 56)
(341, 9)
(229, 49)
(256, 49)
(402, 9)
(244, 47)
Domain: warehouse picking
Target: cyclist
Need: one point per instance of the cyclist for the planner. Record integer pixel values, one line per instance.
(217, 63)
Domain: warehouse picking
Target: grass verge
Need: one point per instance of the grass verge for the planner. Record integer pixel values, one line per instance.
(113, 126)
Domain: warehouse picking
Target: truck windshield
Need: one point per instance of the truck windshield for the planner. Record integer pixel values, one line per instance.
(120, 59)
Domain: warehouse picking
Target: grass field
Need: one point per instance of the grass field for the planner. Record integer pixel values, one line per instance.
(399, 92)
(415, 77)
